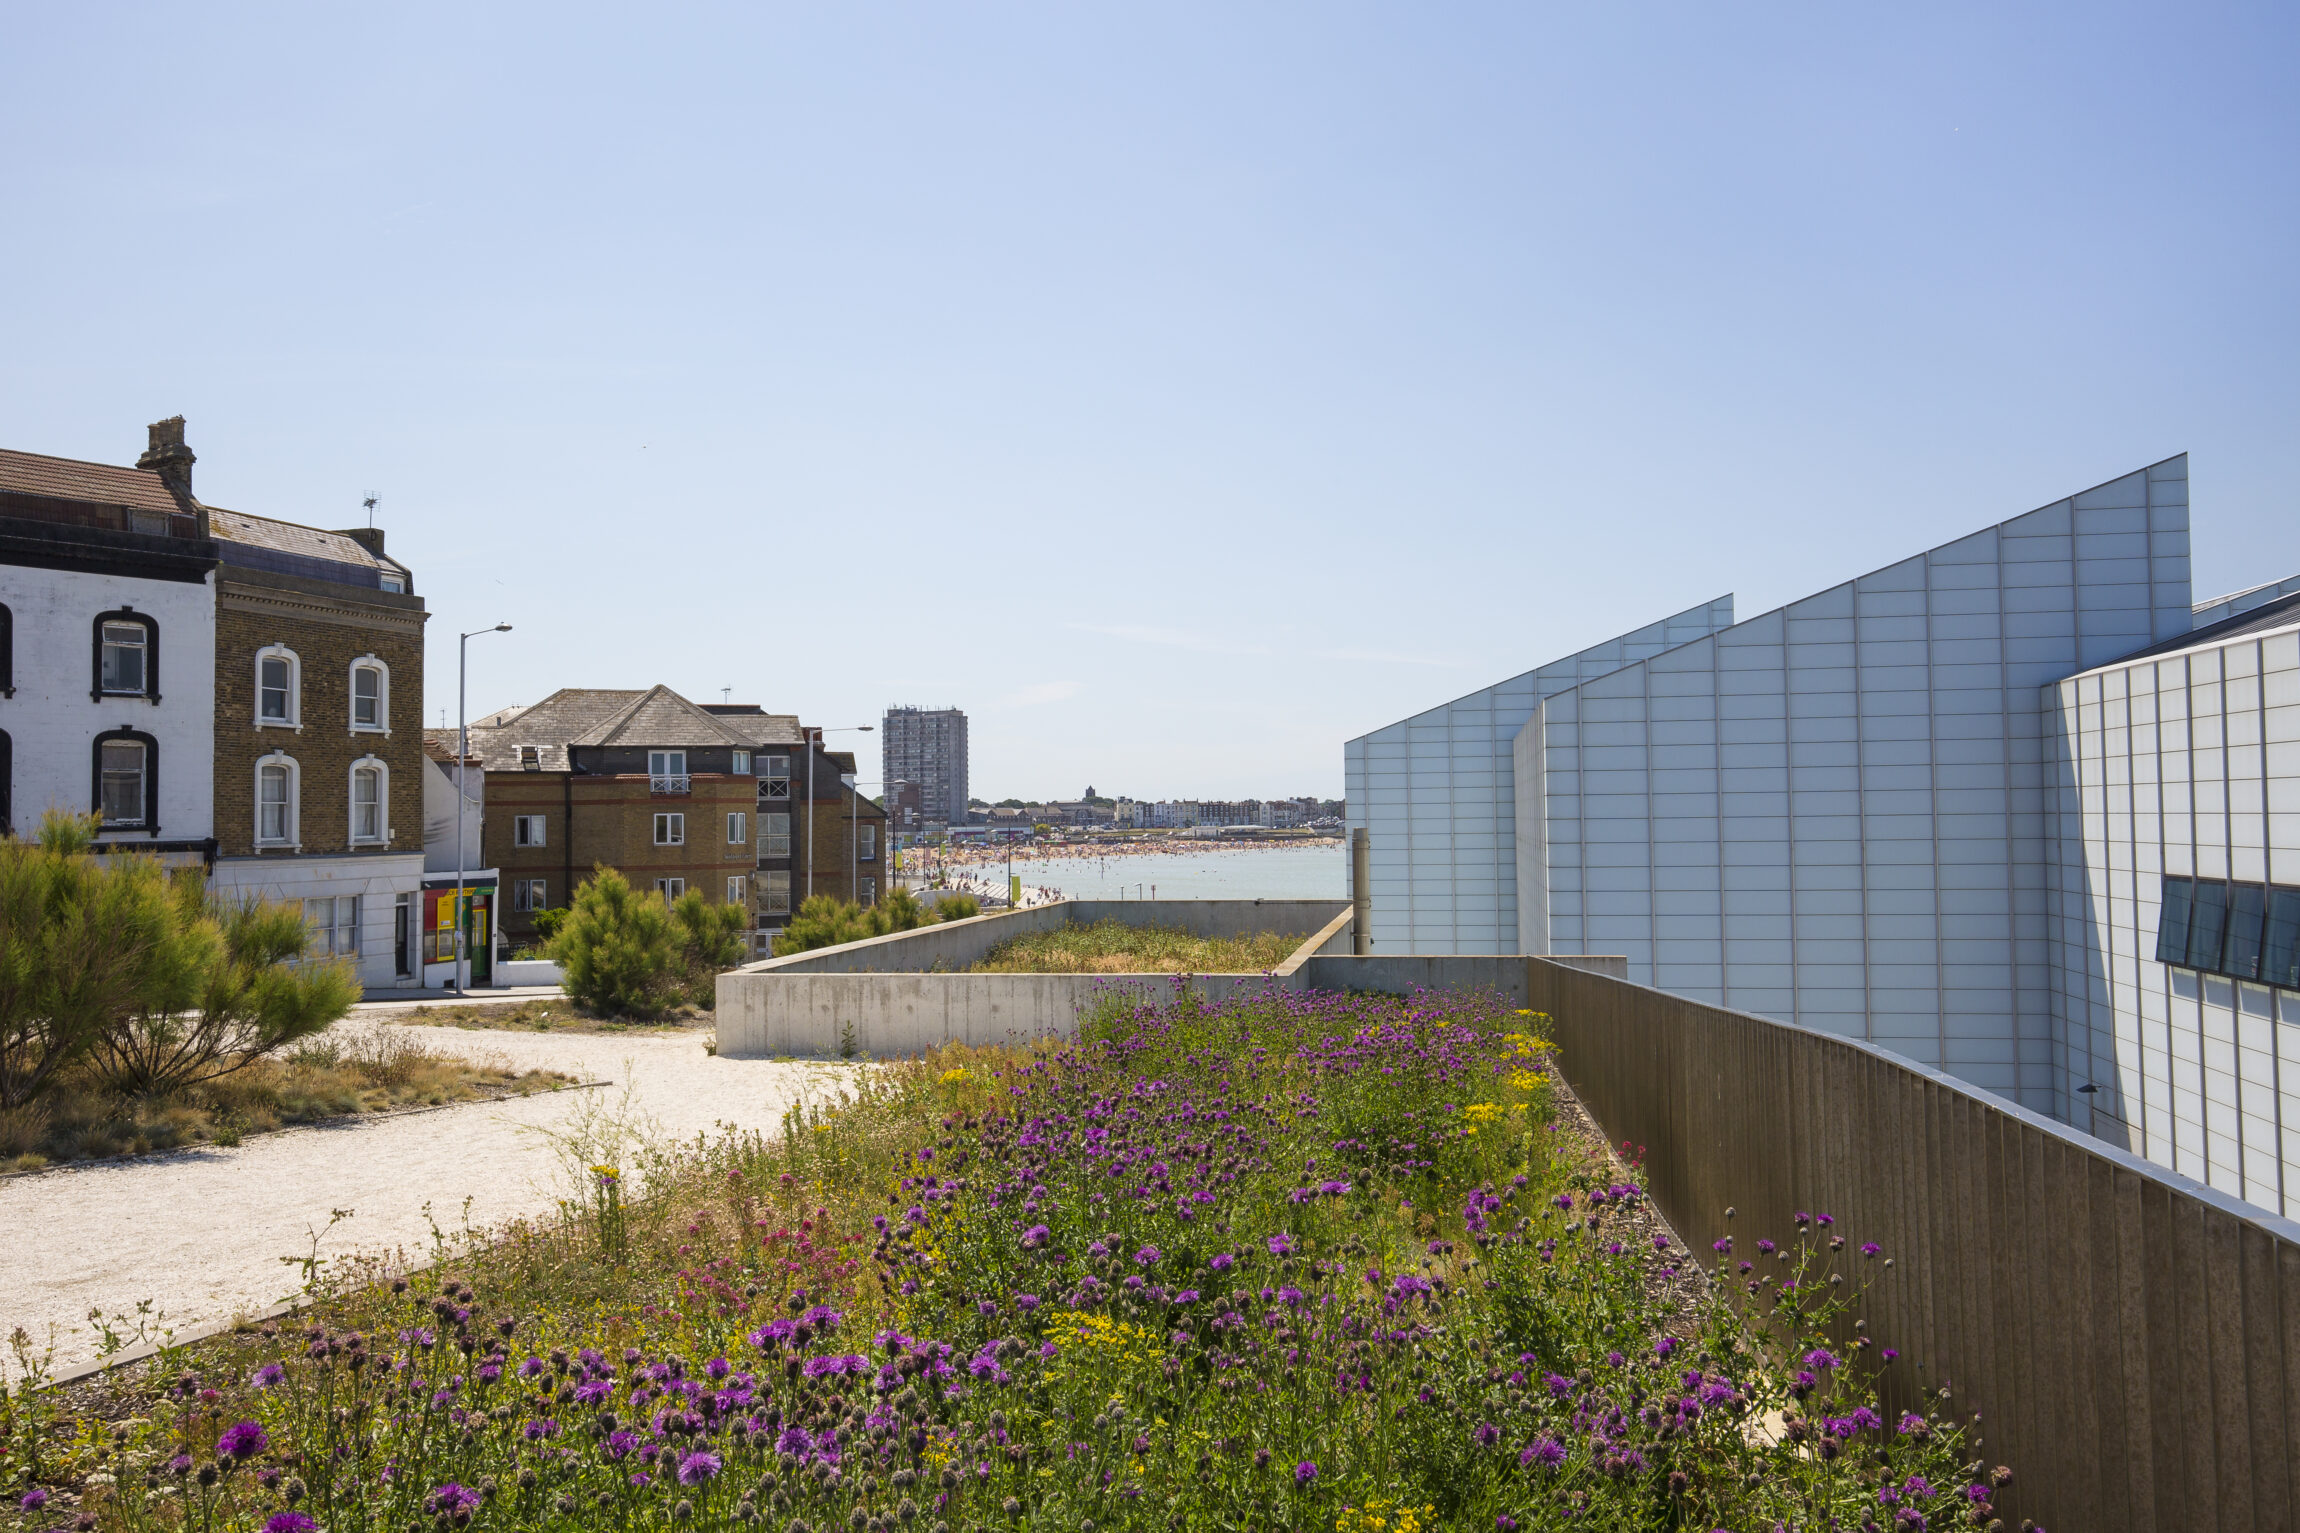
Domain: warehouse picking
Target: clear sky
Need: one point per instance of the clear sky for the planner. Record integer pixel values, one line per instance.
(1180, 389)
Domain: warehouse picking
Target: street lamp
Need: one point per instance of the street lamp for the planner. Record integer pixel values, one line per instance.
(462, 765)
(815, 733)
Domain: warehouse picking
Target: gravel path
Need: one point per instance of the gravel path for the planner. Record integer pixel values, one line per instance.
(201, 1232)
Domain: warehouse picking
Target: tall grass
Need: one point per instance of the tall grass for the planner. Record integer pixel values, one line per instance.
(1112, 947)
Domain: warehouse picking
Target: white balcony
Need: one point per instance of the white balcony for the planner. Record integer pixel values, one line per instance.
(670, 784)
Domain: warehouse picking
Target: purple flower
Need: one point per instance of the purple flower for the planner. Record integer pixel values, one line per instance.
(1548, 1452)
(289, 1522)
(532, 1368)
(619, 1445)
(1722, 1247)
(1035, 1236)
(540, 1428)
(1871, 1248)
(1026, 1302)
(1305, 1472)
(1148, 1256)
(1222, 1262)
(700, 1468)
(1487, 1434)
(1820, 1358)
(1281, 1245)
(268, 1375)
(451, 1498)
(242, 1440)
(34, 1499)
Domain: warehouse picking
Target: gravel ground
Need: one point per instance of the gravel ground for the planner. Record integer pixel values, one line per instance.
(202, 1232)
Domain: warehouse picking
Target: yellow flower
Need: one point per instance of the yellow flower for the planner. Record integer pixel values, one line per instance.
(953, 1077)
(1482, 1112)
(1527, 1080)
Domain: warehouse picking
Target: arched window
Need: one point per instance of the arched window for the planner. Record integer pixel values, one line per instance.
(124, 780)
(370, 802)
(370, 696)
(279, 688)
(279, 795)
(127, 655)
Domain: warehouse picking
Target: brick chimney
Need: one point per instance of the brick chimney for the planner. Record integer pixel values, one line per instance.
(169, 456)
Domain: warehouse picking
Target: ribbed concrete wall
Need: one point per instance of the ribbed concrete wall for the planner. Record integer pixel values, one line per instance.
(2131, 1337)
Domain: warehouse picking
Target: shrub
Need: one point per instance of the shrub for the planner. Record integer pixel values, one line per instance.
(958, 907)
(548, 922)
(628, 954)
(617, 951)
(823, 921)
(141, 976)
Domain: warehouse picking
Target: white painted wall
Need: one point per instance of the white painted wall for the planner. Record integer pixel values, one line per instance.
(439, 816)
(52, 722)
(2183, 765)
(378, 879)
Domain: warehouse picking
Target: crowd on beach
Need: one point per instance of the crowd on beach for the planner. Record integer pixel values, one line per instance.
(981, 870)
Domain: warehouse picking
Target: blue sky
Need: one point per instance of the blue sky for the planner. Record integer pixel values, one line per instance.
(1179, 389)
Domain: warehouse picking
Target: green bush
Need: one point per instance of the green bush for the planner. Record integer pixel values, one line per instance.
(617, 952)
(141, 977)
(548, 922)
(958, 907)
(633, 955)
(823, 921)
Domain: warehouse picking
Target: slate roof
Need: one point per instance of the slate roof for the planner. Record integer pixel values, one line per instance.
(70, 479)
(605, 716)
(293, 538)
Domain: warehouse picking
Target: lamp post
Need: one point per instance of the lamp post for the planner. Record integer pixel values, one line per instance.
(463, 765)
(814, 736)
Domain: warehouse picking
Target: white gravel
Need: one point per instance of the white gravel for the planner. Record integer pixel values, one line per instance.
(201, 1233)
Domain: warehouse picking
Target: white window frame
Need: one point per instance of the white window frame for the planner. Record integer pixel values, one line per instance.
(294, 719)
(774, 893)
(670, 888)
(144, 646)
(738, 828)
(529, 830)
(866, 892)
(866, 849)
(292, 839)
(143, 784)
(775, 834)
(666, 769)
(382, 724)
(529, 894)
(742, 764)
(382, 770)
(333, 938)
(737, 886)
(670, 828)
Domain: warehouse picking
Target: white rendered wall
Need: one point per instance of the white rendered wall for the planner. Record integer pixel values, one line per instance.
(1834, 813)
(378, 878)
(52, 722)
(1435, 792)
(2188, 765)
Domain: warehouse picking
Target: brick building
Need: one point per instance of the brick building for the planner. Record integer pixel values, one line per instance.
(672, 795)
(318, 762)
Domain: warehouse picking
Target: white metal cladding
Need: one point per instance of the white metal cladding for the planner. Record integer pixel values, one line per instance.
(1834, 813)
(2237, 603)
(1435, 792)
(2184, 764)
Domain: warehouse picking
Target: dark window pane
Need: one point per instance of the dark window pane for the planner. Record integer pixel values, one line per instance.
(2172, 925)
(2246, 903)
(2208, 927)
(2281, 959)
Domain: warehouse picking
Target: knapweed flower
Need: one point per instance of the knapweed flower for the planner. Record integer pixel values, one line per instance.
(1222, 1261)
(1035, 1236)
(1305, 1472)
(1148, 1256)
(1281, 1245)
(1544, 1452)
(1486, 1435)
(34, 1499)
(289, 1522)
(242, 1440)
(1820, 1358)
(1871, 1248)
(452, 1500)
(268, 1375)
(700, 1468)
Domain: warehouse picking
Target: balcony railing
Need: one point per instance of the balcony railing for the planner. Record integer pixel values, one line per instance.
(670, 784)
(771, 845)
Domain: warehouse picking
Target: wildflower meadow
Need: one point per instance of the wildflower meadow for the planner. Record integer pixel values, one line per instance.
(1301, 1262)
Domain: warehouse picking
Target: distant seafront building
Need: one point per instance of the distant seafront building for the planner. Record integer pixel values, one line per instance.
(1951, 807)
(927, 747)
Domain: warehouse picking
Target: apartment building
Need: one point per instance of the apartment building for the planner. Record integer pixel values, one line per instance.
(927, 746)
